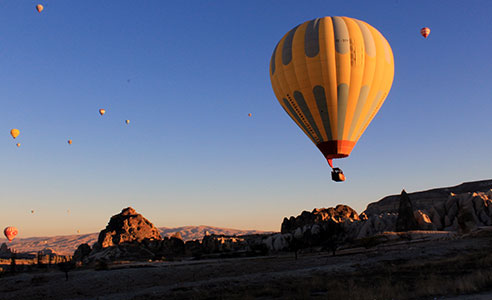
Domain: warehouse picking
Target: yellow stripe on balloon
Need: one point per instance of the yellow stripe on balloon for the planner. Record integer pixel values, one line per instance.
(329, 71)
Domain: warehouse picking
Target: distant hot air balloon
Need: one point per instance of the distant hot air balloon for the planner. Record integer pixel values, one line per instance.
(102, 111)
(39, 8)
(249, 115)
(32, 211)
(78, 231)
(425, 32)
(10, 232)
(18, 144)
(14, 132)
(69, 142)
(127, 122)
(331, 75)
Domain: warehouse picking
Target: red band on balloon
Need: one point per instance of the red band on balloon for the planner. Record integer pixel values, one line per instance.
(336, 149)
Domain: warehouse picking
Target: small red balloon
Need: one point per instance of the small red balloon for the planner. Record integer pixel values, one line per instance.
(425, 32)
(10, 233)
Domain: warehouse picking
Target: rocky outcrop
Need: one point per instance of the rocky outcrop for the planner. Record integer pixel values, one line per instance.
(338, 214)
(278, 242)
(426, 200)
(406, 219)
(168, 247)
(127, 227)
(461, 208)
(81, 253)
(375, 224)
(325, 227)
(130, 236)
(215, 244)
(424, 222)
(5, 251)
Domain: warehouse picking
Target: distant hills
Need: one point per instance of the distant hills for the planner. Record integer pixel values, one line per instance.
(66, 244)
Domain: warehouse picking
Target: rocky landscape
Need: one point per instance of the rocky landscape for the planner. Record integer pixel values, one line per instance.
(438, 240)
(67, 244)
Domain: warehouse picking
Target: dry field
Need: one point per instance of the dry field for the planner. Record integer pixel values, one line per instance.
(443, 269)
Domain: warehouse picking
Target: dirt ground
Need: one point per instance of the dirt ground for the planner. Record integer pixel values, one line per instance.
(444, 269)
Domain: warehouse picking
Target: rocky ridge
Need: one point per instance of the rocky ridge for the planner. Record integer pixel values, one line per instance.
(426, 199)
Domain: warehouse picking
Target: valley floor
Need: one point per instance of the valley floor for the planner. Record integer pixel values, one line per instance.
(444, 269)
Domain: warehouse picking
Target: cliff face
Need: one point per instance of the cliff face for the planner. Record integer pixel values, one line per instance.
(426, 199)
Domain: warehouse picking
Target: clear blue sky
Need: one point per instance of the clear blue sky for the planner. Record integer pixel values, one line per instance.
(191, 155)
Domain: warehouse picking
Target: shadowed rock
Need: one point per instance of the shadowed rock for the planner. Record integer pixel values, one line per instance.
(338, 214)
(406, 219)
(81, 253)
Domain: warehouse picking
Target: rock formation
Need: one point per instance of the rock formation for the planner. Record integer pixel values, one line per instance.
(319, 215)
(126, 227)
(5, 251)
(460, 208)
(425, 200)
(130, 236)
(325, 227)
(406, 219)
(81, 253)
(375, 224)
(214, 243)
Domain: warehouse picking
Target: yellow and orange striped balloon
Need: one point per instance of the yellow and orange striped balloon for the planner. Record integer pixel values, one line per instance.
(331, 75)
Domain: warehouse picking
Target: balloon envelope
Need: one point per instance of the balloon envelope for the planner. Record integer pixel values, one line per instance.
(39, 8)
(14, 133)
(425, 32)
(18, 144)
(127, 121)
(249, 115)
(10, 232)
(331, 75)
(102, 111)
(69, 142)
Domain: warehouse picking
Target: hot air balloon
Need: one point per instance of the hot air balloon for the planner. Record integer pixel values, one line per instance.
(425, 32)
(18, 144)
(10, 233)
(39, 8)
(69, 142)
(127, 122)
(14, 133)
(32, 211)
(331, 75)
(249, 115)
(102, 111)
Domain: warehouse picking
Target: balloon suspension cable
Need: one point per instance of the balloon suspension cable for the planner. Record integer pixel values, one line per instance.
(330, 162)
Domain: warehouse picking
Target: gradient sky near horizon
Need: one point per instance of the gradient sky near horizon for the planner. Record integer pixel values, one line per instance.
(187, 73)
